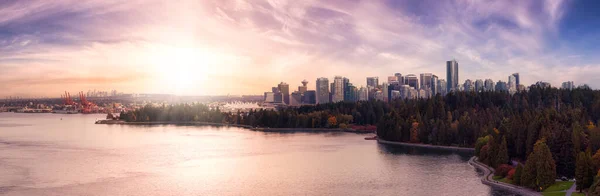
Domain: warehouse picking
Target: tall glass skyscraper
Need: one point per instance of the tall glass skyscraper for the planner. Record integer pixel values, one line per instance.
(322, 90)
(451, 75)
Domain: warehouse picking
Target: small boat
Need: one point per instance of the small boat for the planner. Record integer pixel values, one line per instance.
(371, 138)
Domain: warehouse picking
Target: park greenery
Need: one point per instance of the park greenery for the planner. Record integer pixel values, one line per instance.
(536, 136)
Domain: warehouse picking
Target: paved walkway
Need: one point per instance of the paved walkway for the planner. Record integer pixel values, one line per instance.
(572, 189)
(487, 180)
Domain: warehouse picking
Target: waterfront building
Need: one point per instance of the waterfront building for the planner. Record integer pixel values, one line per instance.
(322, 90)
(303, 88)
(285, 91)
(295, 99)
(309, 97)
(338, 89)
(269, 97)
(451, 75)
(373, 82)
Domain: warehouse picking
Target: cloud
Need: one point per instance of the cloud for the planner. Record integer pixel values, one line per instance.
(282, 40)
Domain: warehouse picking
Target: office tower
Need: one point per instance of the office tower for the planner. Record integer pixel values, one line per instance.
(347, 94)
(512, 85)
(543, 84)
(303, 88)
(338, 89)
(488, 85)
(373, 81)
(379, 95)
(275, 90)
(501, 86)
(424, 94)
(296, 99)
(569, 85)
(434, 85)
(412, 81)
(384, 89)
(399, 78)
(363, 94)
(310, 97)
(451, 75)
(425, 79)
(479, 85)
(405, 91)
(413, 93)
(392, 79)
(468, 85)
(517, 80)
(322, 90)
(285, 91)
(441, 85)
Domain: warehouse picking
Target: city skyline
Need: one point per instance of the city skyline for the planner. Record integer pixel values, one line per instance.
(198, 48)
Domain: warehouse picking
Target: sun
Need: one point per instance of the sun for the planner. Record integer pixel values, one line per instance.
(181, 70)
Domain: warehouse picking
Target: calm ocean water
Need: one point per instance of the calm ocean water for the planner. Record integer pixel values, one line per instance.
(42, 154)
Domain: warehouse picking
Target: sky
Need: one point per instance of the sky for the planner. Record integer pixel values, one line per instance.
(220, 47)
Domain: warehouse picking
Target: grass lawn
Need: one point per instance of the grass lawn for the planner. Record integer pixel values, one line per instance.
(578, 194)
(559, 186)
(497, 178)
(506, 180)
(554, 194)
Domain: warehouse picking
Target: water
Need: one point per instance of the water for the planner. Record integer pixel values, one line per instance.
(40, 154)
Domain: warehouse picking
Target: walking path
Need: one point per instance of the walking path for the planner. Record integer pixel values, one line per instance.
(572, 189)
(487, 180)
(452, 148)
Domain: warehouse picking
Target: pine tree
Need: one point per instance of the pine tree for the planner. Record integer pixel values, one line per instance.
(502, 157)
(545, 166)
(528, 176)
(518, 174)
(581, 171)
(492, 152)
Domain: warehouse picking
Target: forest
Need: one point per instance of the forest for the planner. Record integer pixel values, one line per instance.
(554, 129)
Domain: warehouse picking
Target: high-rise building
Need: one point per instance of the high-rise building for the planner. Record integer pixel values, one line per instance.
(310, 97)
(303, 88)
(441, 85)
(295, 99)
(512, 84)
(269, 97)
(373, 81)
(488, 85)
(338, 89)
(384, 89)
(363, 94)
(479, 86)
(285, 91)
(517, 80)
(412, 81)
(322, 90)
(468, 86)
(569, 85)
(399, 78)
(434, 85)
(501, 86)
(392, 79)
(426, 80)
(405, 91)
(347, 89)
(451, 75)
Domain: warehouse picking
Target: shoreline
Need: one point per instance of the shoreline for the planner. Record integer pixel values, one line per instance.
(487, 180)
(429, 146)
(261, 129)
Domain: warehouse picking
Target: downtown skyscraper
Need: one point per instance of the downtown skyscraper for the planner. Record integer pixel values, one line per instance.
(451, 75)
(322, 90)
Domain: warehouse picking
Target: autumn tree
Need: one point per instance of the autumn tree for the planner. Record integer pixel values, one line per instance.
(540, 169)
(502, 156)
(583, 177)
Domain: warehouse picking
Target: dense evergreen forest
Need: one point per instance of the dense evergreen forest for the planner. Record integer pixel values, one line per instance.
(550, 132)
